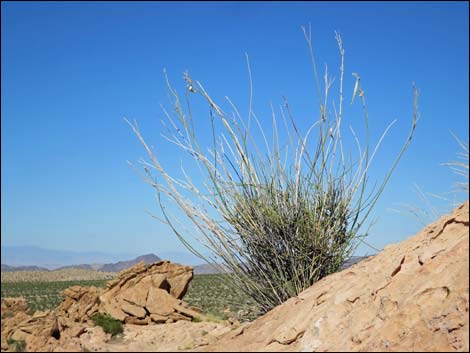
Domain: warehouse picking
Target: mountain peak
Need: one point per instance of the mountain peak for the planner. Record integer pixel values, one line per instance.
(122, 265)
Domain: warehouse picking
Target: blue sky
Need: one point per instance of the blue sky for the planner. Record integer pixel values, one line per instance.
(72, 71)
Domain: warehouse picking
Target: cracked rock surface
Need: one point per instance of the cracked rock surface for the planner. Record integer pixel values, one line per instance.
(412, 296)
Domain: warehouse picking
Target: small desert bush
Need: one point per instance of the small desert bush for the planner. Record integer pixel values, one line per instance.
(17, 345)
(276, 210)
(108, 323)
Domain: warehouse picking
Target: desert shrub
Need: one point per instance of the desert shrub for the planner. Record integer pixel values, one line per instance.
(280, 219)
(108, 323)
(17, 345)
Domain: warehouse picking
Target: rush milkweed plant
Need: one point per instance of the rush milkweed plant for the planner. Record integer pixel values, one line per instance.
(280, 217)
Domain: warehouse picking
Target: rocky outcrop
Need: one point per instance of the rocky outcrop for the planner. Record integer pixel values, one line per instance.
(143, 294)
(149, 293)
(54, 330)
(14, 311)
(12, 306)
(413, 296)
(79, 304)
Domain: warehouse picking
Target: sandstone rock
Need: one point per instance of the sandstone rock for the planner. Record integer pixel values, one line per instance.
(143, 290)
(34, 331)
(179, 281)
(113, 311)
(413, 296)
(159, 338)
(136, 321)
(134, 310)
(11, 306)
(141, 295)
(190, 313)
(9, 325)
(159, 319)
(41, 314)
(136, 295)
(160, 302)
(79, 304)
(58, 330)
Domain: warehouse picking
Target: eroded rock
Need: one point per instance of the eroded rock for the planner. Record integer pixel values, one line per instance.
(149, 293)
(412, 296)
(141, 295)
(12, 306)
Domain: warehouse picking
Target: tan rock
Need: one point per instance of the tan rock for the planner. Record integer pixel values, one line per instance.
(136, 321)
(79, 304)
(190, 313)
(159, 280)
(69, 327)
(158, 319)
(178, 316)
(19, 335)
(74, 292)
(156, 288)
(114, 311)
(179, 282)
(11, 306)
(133, 310)
(158, 338)
(412, 296)
(136, 295)
(160, 302)
(40, 314)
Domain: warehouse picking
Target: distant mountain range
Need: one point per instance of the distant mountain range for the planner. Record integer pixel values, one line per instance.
(31, 258)
(116, 267)
(6, 268)
(205, 269)
(16, 259)
(54, 259)
(109, 267)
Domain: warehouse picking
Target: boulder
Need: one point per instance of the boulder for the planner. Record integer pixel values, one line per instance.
(79, 304)
(146, 294)
(11, 306)
(9, 324)
(160, 302)
(134, 310)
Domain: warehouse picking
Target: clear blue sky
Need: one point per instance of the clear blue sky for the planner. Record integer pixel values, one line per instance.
(71, 71)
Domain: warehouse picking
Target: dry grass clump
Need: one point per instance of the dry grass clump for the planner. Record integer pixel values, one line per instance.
(428, 211)
(460, 167)
(279, 215)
